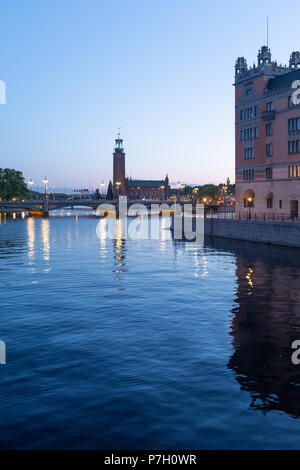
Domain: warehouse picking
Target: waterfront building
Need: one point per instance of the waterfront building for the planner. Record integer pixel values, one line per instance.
(267, 137)
(135, 189)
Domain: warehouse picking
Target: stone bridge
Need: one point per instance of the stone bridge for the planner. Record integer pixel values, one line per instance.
(45, 206)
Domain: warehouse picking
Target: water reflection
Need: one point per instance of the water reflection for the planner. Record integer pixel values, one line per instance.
(266, 320)
(31, 238)
(119, 250)
(101, 232)
(46, 241)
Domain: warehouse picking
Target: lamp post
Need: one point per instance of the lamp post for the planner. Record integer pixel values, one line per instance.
(224, 189)
(102, 188)
(45, 181)
(118, 184)
(30, 183)
(249, 206)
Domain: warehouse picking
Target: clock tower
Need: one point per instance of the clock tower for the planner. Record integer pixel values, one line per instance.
(119, 181)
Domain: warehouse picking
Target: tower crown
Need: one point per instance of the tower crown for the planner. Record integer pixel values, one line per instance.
(264, 55)
(295, 60)
(241, 65)
(119, 144)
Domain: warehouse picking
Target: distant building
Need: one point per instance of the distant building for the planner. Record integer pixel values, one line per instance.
(267, 136)
(135, 189)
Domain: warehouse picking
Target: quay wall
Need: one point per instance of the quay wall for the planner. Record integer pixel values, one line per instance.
(270, 232)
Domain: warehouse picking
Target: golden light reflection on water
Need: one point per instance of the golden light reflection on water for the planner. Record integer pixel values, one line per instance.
(69, 238)
(46, 239)
(205, 266)
(164, 233)
(102, 237)
(119, 245)
(31, 238)
(250, 281)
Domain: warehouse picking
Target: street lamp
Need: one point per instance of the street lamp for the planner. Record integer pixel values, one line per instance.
(45, 181)
(249, 205)
(118, 184)
(102, 186)
(30, 183)
(224, 189)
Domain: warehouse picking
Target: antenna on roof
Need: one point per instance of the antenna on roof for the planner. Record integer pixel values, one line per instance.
(267, 31)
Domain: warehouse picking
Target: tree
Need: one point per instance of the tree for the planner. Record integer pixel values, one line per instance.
(110, 194)
(12, 184)
(97, 194)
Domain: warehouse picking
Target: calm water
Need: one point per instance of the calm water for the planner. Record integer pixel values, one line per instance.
(145, 344)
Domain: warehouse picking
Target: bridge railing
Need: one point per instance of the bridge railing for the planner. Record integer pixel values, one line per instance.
(253, 215)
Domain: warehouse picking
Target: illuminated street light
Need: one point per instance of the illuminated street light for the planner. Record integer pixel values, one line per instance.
(30, 183)
(118, 184)
(102, 188)
(249, 206)
(45, 181)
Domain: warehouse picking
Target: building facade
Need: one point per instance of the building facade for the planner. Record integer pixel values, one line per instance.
(267, 137)
(155, 190)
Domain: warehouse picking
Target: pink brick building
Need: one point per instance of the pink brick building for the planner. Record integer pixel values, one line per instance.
(267, 137)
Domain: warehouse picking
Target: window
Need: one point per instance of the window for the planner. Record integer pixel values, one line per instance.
(248, 153)
(294, 124)
(294, 146)
(248, 113)
(248, 175)
(269, 173)
(269, 150)
(269, 106)
(269, 129)
(269, 203)
(249, 134)
(294, 171)
(280, 204)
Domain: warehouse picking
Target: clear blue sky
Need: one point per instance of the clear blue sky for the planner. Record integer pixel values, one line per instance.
(75, 70)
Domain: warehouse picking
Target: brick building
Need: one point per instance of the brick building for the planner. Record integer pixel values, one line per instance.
(135, 189)
(267, 137)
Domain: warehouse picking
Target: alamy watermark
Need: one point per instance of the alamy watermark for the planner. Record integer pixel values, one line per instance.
(296, 94)
(2, 352)
(139, 220)
(2, 92)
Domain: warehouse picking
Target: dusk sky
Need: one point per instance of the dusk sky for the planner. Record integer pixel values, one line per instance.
(163, 70)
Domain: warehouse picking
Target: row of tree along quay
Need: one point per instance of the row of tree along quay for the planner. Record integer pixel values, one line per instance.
(12, 185)
(207, 193)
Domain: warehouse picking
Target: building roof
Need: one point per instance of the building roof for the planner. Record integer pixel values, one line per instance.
(146, 183)
(284, 80)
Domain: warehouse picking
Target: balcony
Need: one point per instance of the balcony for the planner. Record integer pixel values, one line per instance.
(268, 115)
